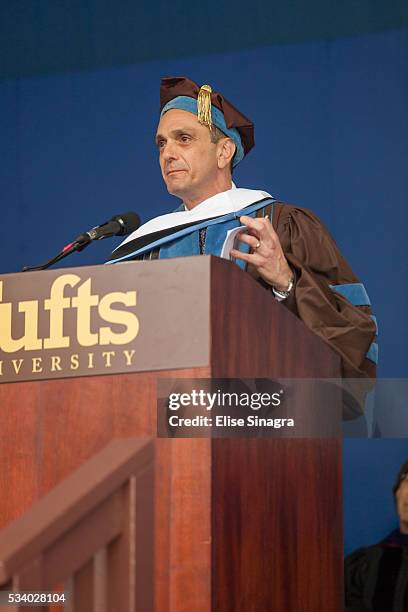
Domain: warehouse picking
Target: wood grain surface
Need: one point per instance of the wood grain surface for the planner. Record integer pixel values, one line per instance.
(239, 524)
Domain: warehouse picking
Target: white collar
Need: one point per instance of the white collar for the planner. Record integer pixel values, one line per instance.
(220, 204)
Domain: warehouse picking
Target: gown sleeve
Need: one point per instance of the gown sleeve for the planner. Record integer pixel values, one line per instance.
(323, 280)
(356, 575)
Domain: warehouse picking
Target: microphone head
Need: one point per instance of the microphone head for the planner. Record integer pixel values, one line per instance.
(129, 222)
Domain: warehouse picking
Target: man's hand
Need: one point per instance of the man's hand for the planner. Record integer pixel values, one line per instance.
(268, 258)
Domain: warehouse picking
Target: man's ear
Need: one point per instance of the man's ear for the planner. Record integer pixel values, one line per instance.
(226, 148)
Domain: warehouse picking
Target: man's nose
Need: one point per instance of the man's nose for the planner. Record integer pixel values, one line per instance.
(169, 151)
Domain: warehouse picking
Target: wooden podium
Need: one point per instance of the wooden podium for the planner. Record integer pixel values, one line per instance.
(240, 524)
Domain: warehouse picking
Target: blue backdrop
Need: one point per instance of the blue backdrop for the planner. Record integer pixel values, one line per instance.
(331, 134)
(370, 468)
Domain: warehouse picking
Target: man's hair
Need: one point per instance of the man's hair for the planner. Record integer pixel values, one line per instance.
(216, 135)
(401, 475)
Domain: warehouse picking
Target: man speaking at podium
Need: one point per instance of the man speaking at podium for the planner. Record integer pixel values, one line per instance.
(201, 137)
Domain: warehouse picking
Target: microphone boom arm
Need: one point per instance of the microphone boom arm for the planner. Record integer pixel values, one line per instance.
(119, 225)
(67, 250)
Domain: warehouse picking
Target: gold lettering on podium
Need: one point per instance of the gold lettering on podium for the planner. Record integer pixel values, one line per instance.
(29, 340)
(56, 363)
(74, 361)
(129, 356)
(128, 319)
(56, 304)
(84, 302)
(17, 363)
(72, 317)
(108, 355)
(37, 365)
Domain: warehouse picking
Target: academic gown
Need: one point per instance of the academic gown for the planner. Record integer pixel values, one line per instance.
(376, 577)
(327, 295)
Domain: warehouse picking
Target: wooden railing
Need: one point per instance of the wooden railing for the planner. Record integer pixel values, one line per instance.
(93, 534)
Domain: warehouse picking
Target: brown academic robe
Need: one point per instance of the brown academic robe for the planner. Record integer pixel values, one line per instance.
(317, 263)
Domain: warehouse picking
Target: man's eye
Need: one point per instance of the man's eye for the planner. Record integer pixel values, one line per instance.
(185, 138)
(161, 143)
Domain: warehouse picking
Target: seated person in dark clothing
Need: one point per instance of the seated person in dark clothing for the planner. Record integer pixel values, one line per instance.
(376, 578)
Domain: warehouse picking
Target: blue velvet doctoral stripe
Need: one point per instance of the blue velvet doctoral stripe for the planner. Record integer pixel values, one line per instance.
(214, 240)
(358, 296)
(181, 247)
(354, 292)
(372, 353)
(189, 230)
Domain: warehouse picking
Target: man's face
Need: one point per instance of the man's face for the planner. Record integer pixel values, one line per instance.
(401, 497)
(188, 158)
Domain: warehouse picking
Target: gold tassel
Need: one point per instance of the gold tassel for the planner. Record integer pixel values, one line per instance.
(204, 105)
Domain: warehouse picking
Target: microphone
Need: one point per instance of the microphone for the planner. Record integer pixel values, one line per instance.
(119, 225)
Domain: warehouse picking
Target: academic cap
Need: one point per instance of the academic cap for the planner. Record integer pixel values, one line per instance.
(211, 108)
